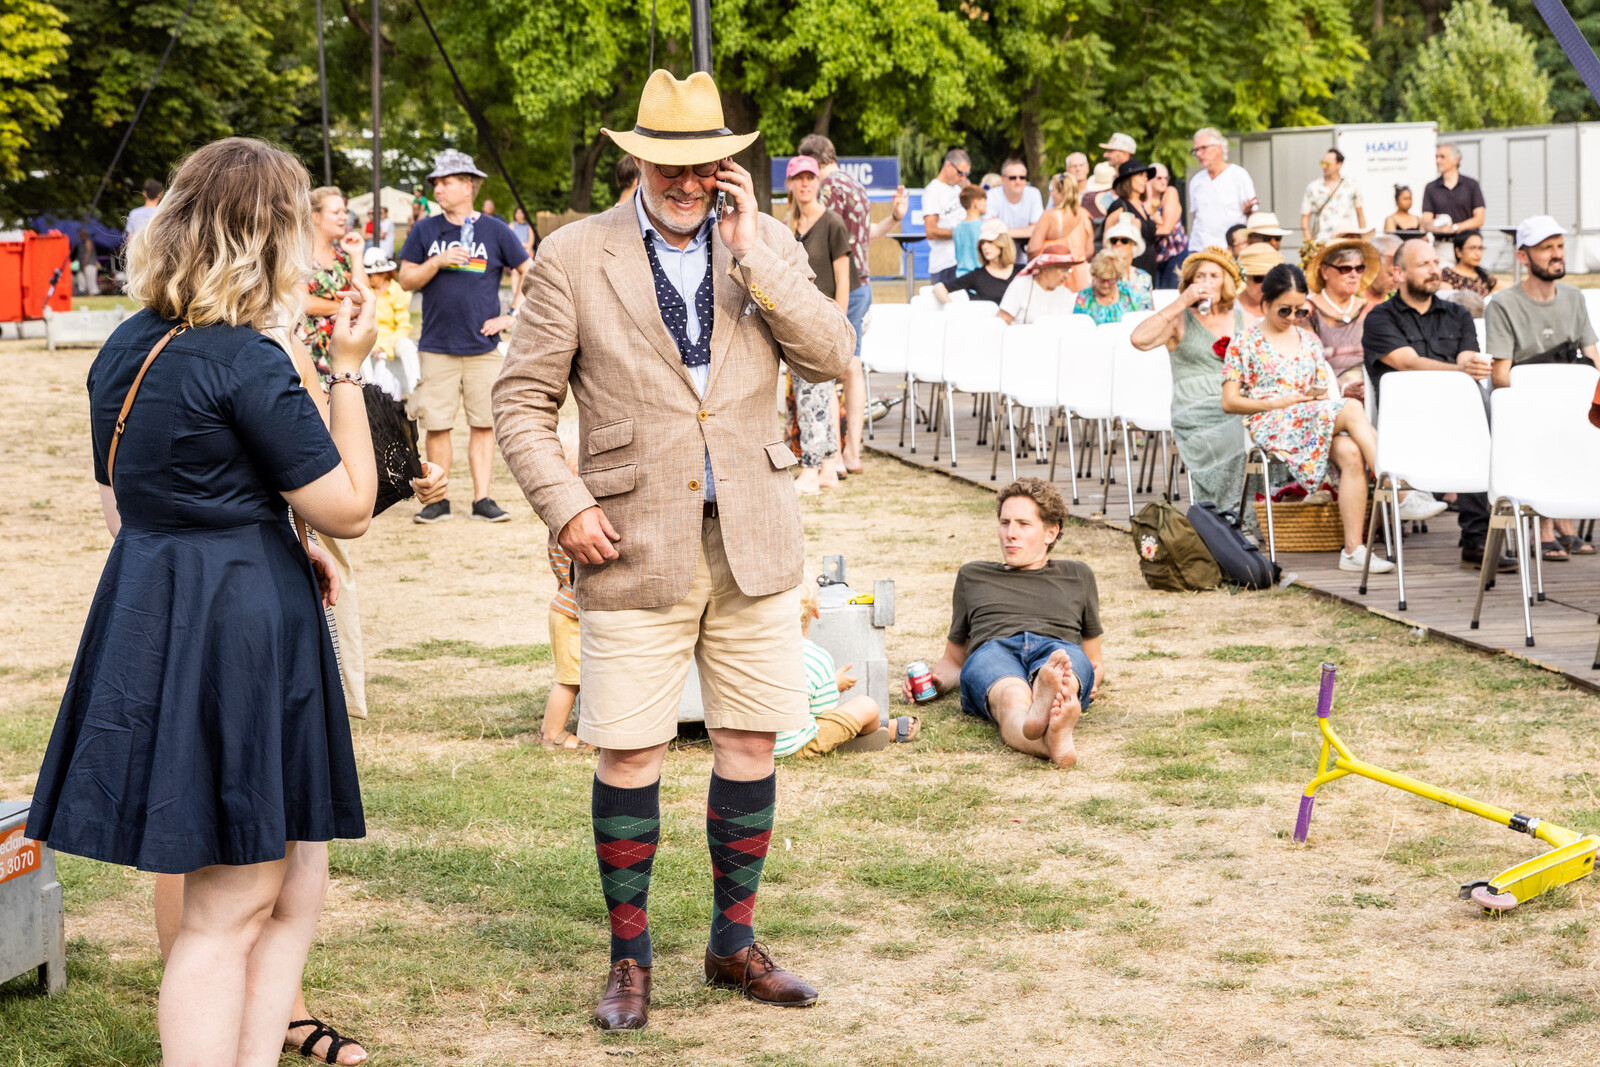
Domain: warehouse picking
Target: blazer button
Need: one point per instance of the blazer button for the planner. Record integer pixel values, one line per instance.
(694, 484)
(704, 415)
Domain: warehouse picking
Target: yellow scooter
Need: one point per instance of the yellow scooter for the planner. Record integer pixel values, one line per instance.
(1571, 854)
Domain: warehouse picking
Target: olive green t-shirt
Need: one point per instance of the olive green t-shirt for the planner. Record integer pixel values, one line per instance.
(992, 601)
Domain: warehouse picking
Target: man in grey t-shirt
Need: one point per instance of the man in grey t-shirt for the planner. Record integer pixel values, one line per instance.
(1538, 321)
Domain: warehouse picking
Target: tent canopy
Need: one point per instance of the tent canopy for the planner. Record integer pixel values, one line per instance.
(398, 203)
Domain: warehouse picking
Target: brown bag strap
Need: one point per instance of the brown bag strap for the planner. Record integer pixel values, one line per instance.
(127, 401)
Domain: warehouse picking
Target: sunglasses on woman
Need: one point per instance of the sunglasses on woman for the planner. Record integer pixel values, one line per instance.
(1121, 241)
(1300, 312)
(1347, 268)
(701, 170)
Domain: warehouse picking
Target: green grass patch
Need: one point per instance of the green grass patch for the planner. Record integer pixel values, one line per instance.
(443, 648)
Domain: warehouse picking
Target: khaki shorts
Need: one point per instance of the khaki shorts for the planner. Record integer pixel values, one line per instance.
(564, 647)
(834, 728)
(634, 662)
(447, 382)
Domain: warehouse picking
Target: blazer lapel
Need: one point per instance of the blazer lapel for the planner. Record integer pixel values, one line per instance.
(729, 303)
(628, 269)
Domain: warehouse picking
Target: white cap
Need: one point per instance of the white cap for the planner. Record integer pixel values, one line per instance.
(376, 262)
(1121, 142)
(1536, 228)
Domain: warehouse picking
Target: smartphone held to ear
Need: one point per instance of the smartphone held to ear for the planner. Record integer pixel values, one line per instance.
(722, 194)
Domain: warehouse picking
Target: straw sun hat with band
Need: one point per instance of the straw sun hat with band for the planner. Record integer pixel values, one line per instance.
(1369, 261)
(680, 124)
(1211, 254)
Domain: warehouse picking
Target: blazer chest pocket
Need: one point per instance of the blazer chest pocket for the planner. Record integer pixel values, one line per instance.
(610, 481)
(781, 455)
(611, 435)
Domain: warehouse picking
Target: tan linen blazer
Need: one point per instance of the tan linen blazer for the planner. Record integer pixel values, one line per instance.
(590, 321)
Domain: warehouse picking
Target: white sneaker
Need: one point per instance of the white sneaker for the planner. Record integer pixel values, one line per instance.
(1355, 561)
(1419, 506)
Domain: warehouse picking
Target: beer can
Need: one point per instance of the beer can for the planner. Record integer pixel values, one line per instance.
(922, 687)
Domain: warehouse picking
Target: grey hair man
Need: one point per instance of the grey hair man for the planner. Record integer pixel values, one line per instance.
(1221, 194)
(942, 212)
(1452, 203)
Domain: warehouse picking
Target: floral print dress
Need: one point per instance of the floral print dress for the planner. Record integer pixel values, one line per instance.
(315, 330)
(1301, 434)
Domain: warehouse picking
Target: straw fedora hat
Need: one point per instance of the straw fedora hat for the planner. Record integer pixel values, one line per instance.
(1370, 261)
(680, 123)
(1255, 261)
(1101, 178)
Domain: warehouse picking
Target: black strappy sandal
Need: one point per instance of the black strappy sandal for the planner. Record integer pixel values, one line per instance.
(321, 1030)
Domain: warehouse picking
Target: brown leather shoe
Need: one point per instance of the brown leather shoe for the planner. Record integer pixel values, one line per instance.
(625, 1005)
(752, 972)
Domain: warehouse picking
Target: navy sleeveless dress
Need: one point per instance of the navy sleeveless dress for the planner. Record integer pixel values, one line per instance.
(204, 722)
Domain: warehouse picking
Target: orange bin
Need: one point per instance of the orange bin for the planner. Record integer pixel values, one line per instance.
(42, 256)
(10, 281)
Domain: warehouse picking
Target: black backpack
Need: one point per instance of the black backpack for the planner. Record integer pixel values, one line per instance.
(1239, 559)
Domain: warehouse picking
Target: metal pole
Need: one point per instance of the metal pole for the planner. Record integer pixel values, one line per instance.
(375, 216)
(322, 80)
(700, 34)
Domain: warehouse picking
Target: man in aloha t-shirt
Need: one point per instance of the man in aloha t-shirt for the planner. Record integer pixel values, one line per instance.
(456, 260)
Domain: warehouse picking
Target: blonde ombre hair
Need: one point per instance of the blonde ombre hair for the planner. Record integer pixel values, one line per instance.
(231, 242)
(1007, 248)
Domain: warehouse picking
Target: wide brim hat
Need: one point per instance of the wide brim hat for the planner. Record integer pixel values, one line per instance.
(1264, 224)
(1255, 261)
(375, 261)
(1132, 167)
(680, 123)
(1054, 254)
(1126, 227)
(1100, 178)
(1370, 261)
(1219, 256)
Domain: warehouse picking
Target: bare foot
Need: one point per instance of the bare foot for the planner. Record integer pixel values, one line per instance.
(1048, 687)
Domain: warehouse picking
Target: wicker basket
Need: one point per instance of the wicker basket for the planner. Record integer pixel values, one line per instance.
(1301, 527)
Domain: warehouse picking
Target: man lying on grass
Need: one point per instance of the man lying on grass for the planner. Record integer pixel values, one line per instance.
(1024, 641)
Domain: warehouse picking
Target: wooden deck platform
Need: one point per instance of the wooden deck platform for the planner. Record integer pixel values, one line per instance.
(1439, 593)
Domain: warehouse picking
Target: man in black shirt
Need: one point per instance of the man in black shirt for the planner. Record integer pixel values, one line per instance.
(1452, 203)
(1413, 331)
(1024, 641)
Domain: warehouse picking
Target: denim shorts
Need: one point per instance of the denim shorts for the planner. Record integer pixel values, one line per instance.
(1020, 656)
(860, 301)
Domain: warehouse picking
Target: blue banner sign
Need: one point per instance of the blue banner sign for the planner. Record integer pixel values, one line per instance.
(875, 172)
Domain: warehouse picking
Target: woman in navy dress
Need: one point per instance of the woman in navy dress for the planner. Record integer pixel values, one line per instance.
(203, 730)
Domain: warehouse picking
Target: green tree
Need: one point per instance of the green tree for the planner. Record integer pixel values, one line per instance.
(1570, 99)
(1480, 72)
(222, 78)
(32, 46)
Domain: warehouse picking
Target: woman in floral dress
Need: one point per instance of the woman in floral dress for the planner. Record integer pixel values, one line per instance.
(1275, 374)
(336, 251)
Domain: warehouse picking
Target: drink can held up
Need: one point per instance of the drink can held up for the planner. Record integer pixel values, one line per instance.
(922, 687)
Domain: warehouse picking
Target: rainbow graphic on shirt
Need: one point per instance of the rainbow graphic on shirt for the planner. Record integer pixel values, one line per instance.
(477, 264)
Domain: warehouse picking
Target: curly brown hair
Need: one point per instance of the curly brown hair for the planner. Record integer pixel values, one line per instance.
(1045, 496)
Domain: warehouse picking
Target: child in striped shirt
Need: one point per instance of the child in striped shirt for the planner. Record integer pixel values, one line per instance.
(832, 723)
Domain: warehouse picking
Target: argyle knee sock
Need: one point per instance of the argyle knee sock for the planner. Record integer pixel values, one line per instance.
(738, 829)
(627, 827)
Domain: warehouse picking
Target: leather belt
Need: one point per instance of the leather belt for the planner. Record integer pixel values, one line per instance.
(710, 509)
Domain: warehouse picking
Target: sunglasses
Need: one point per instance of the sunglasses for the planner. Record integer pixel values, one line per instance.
(701, 170)
(1294, 313)
(1347, 268)
(1120, 241)
(1016, 177)
(965, 173)
(1257, 278)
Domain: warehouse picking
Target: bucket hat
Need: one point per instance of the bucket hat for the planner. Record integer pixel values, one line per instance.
(453, 161)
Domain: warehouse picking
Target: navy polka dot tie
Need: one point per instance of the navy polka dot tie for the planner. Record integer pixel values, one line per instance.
(676, 315)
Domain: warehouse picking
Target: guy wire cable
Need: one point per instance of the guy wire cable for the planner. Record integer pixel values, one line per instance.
(483, 127)
(94, 205)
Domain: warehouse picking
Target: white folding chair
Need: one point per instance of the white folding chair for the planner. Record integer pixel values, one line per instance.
(885, 344)
(924, 363)
(1543, 463)
(1029, 368)
(1576, 381)
(972, 353)
(1161, 298)
(1141, 398)
(1130, 319)
(1482, 329)
(1083, 389)
(1591, 303)
(1421, 409)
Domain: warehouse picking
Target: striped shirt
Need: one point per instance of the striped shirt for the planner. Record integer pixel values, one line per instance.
(822, 691)
(561, 567)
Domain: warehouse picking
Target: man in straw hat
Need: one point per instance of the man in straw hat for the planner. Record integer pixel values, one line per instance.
(668, 323)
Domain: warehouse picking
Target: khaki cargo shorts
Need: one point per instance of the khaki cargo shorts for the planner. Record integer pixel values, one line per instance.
(448, 382)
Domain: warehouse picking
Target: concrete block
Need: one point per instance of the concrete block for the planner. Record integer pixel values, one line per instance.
(90, 328)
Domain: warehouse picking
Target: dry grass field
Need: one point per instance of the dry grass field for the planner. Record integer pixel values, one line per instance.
(956, 903)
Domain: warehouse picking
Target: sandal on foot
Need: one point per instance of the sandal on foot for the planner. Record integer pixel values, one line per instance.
(1553, 552)
(1576, 546)
(904, 728)
(567, 742)
(336, 1040)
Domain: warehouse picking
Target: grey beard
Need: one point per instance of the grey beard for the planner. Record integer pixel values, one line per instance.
(657, 206)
